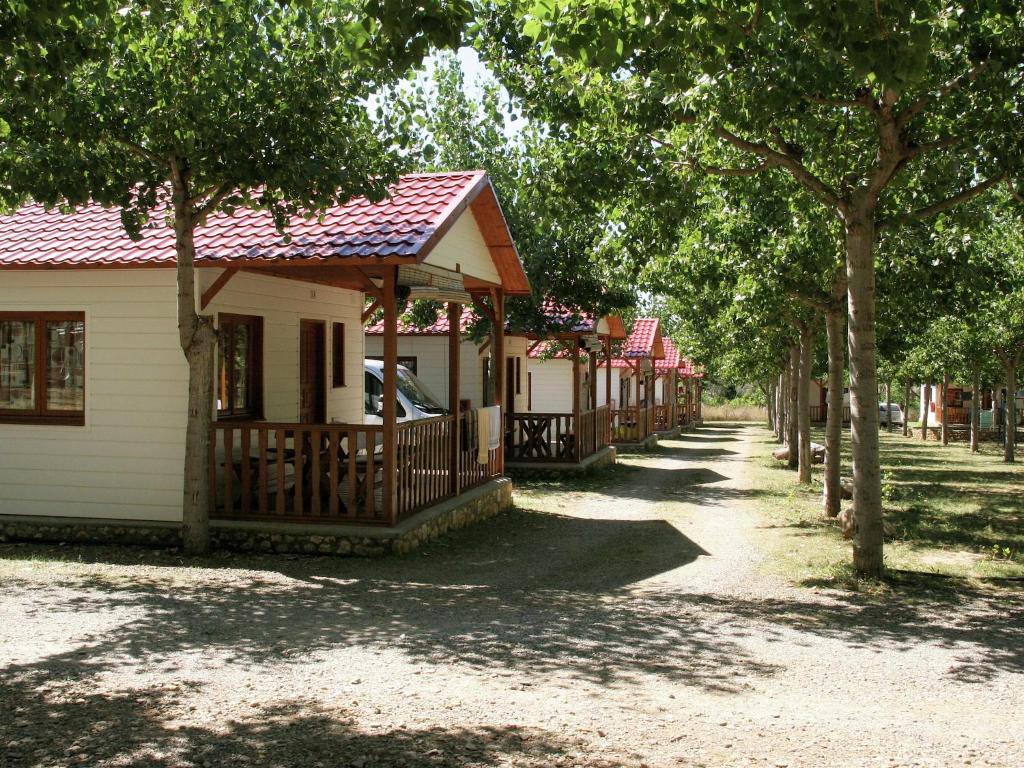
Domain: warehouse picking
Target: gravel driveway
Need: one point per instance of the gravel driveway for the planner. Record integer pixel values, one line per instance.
(624, 625)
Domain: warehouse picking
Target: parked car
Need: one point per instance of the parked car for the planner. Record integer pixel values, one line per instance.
(895, 414)
(415, 400)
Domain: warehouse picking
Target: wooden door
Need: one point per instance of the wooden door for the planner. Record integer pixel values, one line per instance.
(312, 372)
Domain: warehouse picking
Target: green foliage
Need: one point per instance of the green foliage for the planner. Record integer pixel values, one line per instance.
(564, 240)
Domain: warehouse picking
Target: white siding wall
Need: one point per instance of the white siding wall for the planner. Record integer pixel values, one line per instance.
(126, 462)
(462, 249)
(552, 385)
(601, 399)
(431, 353)
(282, 304)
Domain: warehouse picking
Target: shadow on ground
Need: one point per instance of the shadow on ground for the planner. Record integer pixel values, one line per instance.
(528, 593)
(138, 728)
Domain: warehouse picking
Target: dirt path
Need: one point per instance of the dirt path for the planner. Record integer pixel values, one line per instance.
(623, 625)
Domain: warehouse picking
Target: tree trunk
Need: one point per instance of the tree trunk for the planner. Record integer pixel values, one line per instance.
(888, 406)
(770, 399)
(867, 484)
(925, 409)
(198, 342)
(804, 404)
(906, 408)
(780, 409)
(945, 407)
(833, 411)
(975, 407)
(1010, 437)
(793, 431)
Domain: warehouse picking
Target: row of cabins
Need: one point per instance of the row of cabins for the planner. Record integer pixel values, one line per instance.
(957, 405)
(93, 384)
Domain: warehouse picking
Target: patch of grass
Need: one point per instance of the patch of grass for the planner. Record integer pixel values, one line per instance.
(948, 513)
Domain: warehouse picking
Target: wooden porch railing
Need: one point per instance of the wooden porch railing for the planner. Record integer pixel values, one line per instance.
(632, 425)
(552, 437)
(602, 418)
(424, 453)
(661, 418)
(334, 473)
(471, 471)
(818, 414)
(296, 472)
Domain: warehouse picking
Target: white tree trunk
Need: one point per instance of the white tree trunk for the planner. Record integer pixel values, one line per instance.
(834, 411)
(906, 409)
(198, 342)
(925, 409)
(945, 407)
(803, 403)
(867, 485)
(975, 408)
(1010, 438)
(793, 408)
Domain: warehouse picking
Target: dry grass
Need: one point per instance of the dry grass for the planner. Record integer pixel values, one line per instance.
(947, 512)
(735, 413)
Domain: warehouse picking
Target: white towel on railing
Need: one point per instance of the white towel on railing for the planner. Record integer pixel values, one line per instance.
(488, 422)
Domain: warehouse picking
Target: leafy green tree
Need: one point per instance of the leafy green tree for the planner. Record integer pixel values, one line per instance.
(884, 112)
(200, 106)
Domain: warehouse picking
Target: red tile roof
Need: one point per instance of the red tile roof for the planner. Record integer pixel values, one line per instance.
(643, 338)
(399, 225)
(438, 328)
(568, 319)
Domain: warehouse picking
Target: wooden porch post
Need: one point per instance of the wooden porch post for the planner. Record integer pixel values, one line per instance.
(454, 385)
(576, 386)
(498, 296)
(389, 463)
(608, 372)
(592, 361)
(641, 430)
(671, 398)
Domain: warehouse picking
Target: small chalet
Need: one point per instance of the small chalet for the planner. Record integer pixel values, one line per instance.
(564, 424)
(424, 351)
(632, 373)
(677, 388)
(93, 384)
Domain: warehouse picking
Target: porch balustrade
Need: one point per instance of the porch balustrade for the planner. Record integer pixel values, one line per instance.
(553, 437)
(662, 420)
(334, 473)
(632, 424)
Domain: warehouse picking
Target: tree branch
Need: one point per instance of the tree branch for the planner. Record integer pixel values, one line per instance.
(698, 167)
(211, 204)
(919, 105)
(141, 151)
(785, 159)
(944, 205)
(751, 25)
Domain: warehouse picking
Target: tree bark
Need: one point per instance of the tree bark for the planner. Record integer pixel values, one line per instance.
(975, 408)
(867, 485)
(888, 406)
(770, 399)
(1010, 437)
(906, 408)
(780, 409)
(793, 409)
(945, 407)
(198, 342)
(803, 403)
(833, 411)
(925, 409)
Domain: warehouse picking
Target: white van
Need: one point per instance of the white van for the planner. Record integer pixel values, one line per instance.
(415, 401)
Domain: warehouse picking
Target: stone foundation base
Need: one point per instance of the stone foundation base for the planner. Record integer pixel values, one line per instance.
(649, 444)
(472, 506)
(669, 434)
(536, 469)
